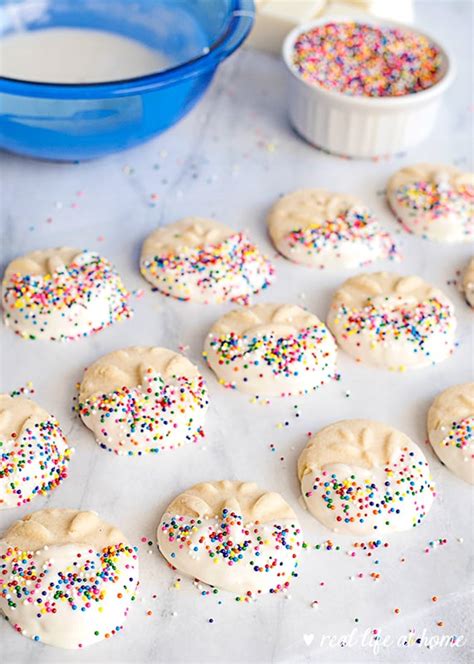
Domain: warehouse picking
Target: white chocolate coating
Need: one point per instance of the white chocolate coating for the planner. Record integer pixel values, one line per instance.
(68, 578)
(365, 478)
(271, 350)
(75, 55)
(202, 260)
(393, 321)
(468, 283)
(435, 201)
(318, 228)
(62, 294)
(143, 399)
(232, 535)
(34, 454)
(451, 429)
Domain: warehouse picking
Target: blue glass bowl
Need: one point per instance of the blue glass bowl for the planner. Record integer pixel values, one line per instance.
(73, 122)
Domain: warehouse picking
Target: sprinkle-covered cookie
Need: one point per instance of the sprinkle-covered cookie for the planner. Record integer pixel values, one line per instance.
(62, 294)
(271, 350)
(321, 229)
(435, 201)
(365, 478)
(143, 399)
(451, 429)
(232, 535)
(201, 260)
(34, 453)
(393, 321)
(67, 578)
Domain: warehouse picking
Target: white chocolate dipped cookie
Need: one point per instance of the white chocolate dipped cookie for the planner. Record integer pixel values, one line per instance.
(62, 294)
(365, 478)
(143, 399)
(232, 535)
(271, 350)
(67, 578)
(435, 201)
(34, 453)
(451, 429)
(202, 260)
(393, 321)
(468, 283)
(321, 229)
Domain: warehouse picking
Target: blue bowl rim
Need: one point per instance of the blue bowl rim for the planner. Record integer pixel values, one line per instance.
(239, 23)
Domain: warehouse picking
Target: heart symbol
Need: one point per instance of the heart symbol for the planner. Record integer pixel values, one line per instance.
(308, 639)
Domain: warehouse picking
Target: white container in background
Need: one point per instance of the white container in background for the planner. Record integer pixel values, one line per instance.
(361, 126)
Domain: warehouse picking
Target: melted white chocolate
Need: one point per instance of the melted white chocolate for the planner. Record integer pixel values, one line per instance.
(364, 477)
(86, 577)
(232, 535)
(143, 399)
(318, 228)
(393, 321)
(201, 260)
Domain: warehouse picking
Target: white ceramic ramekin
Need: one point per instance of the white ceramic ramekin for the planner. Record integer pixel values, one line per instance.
(362, 126)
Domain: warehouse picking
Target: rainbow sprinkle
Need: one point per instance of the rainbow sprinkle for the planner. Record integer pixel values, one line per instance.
(363, 60)
(355, 501)
(427, 202)
(461, 434)
(33, 464)
(230, 270)
(352, 225)
(228, 540)
(68, 291)
(415, 324)
(286, 357)
(148, 418)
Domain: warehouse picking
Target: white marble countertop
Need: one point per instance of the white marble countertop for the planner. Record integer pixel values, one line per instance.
(229, 159)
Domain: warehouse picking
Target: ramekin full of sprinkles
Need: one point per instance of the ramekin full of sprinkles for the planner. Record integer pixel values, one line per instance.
(364, 89)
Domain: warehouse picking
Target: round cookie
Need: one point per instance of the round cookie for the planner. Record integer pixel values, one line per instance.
(271, 350)
(67, 577)
(232, 535)
(34, 453)
(435, 201)
(468, 283)
(202, 260)
(143, 399)
(321, 229)
(451, 429)
(392, 321)
(62, 294)
(365, 478)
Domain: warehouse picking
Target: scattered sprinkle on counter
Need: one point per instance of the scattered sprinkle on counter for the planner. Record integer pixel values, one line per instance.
(434, 544)
(23, 390)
